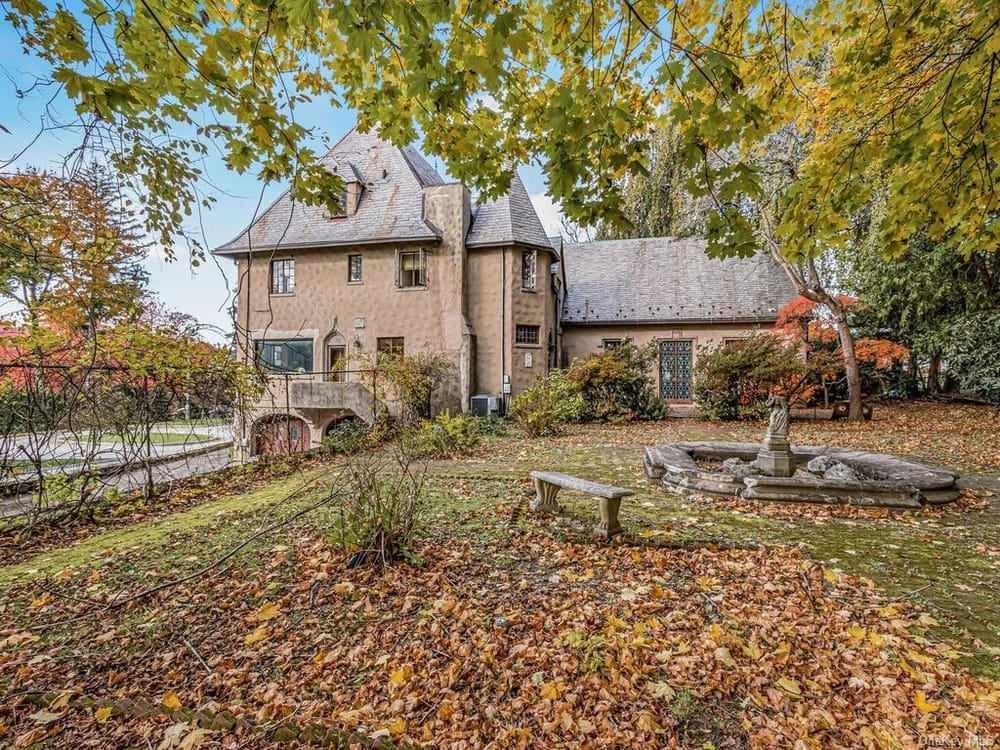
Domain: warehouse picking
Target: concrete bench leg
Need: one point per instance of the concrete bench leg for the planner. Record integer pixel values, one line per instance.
(608, 525)
(545, 497)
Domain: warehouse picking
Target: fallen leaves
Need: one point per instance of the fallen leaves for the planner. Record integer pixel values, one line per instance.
(170, 701)
(420, 655)
(923, 705)
(267, 611)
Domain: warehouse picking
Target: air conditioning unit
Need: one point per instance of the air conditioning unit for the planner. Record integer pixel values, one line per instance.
(485, 406)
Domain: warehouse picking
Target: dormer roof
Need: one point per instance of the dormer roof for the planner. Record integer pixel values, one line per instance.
(390, 208)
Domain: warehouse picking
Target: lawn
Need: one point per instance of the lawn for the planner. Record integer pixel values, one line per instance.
(157, 438)
(738, 625)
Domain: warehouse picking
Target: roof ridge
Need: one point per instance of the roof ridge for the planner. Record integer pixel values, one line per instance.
(287, 191)
(411, 152)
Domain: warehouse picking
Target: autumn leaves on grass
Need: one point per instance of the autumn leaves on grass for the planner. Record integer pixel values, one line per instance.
(518, 641)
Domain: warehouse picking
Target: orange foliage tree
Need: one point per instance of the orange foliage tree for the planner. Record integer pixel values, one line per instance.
(802, 322)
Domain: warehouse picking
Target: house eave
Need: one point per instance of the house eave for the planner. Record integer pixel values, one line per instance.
(511, 243)
(752, 320)
(244, 250)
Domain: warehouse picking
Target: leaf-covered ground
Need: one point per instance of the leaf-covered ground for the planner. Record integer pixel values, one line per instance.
(737, 625)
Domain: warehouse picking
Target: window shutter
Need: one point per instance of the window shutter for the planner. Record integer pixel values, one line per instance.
(399, 270)
(423, 267)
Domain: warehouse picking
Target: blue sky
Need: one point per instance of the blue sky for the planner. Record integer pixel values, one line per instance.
(205, 292)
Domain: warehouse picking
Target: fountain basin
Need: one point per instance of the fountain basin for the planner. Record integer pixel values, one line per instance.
(884, 481)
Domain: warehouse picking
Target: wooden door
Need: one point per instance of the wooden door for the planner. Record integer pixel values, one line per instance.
(280, 434)
(675, 369)
(336, 361)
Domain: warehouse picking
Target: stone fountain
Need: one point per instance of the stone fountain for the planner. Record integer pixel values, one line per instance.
(779, 471)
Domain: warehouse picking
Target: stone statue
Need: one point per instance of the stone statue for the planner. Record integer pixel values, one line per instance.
(778, 425)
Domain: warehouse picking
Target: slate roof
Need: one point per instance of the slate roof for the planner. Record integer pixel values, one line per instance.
(509, 220)
(668, 280)
(390, 209)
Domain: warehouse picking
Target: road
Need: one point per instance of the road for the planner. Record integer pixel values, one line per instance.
(166, 471)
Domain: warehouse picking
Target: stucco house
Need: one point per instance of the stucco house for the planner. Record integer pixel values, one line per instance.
(414, 264)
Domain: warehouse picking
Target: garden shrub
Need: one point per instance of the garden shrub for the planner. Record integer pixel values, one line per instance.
(349, 436)
(492, 425)
(972, 352)
(412, 380)
(445, 436)
(380, 509)
(732, 381)
(545, 408)
(617, 385)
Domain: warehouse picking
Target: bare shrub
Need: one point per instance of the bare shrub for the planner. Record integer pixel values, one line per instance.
(382, 508)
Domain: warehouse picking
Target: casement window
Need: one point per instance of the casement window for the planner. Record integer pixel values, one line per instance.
(354, 268)
(526, 335)
(411, 269)
(342, 204)
(290, 355)
(529, 264)
(282, 276)
(609, 344)
(391, 346)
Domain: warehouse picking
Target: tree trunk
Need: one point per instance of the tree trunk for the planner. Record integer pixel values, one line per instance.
(855, 411)
(806, 280)
(933, 372)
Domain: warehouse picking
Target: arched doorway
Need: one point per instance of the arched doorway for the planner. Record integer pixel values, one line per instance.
(279, 434)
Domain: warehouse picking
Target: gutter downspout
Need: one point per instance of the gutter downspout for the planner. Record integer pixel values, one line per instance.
(503, 323)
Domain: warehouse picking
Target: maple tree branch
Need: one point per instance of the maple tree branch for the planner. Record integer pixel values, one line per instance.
(119, 603)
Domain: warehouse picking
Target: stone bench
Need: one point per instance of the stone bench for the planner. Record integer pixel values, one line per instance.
(548, 484)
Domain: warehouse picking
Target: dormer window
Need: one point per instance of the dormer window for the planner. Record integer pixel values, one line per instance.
(351, 188)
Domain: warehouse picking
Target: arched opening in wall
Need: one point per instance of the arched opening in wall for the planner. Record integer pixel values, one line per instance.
(335, 358)
(280, 434)
(341, 421)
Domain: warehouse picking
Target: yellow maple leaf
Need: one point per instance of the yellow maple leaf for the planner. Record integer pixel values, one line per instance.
(267, 611)
(41, 601)
(397, 678)
(258, 635)
(171, 701)
(922, 704)
(103, 714)
(909, 669)
(398, 726)
(61, 700)
(919, 658)
(550, 690)
(856, 632)
(831, 576)
(992, 697)
(344, 587)
(647, 722)
(790, 686)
